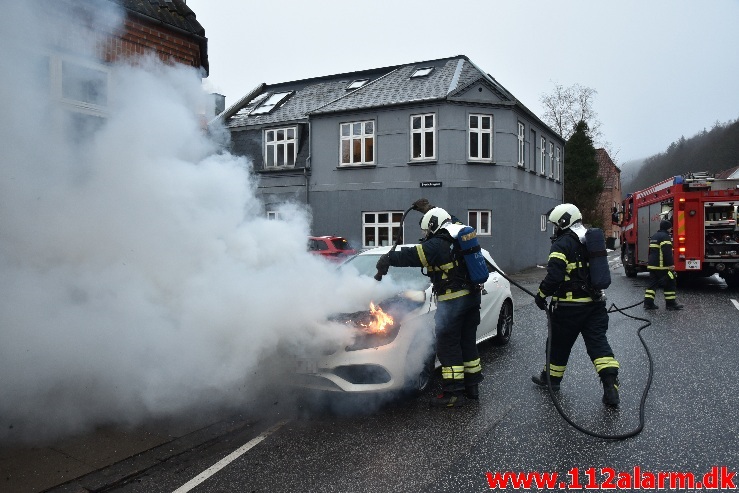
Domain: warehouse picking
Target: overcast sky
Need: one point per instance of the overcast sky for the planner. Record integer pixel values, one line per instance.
(662, 68)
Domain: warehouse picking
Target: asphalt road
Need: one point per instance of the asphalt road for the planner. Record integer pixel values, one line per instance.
(692, 417)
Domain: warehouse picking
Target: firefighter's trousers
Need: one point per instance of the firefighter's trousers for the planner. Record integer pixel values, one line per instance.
(665, 279)
(456, 333)
(589, 319)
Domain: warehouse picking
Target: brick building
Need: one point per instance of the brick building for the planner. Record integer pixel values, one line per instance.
(611, 195)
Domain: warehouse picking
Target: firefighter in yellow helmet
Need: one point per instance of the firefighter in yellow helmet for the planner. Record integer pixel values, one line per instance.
(576, 308)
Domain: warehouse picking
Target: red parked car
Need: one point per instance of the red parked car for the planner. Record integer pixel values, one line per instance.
(330, 247)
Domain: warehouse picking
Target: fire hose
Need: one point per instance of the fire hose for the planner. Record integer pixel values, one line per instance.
(611, 309)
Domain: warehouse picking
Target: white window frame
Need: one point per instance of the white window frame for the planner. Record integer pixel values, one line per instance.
(363, 138)
(273, 215)
(543, 153)
(532, 164)
(480, 133)
(270, 103)
(372, 221)
(481, 220)
(557, 162)
(273, 147)
(544, 222)
(423, 132)
(551, 160)
(521, 144)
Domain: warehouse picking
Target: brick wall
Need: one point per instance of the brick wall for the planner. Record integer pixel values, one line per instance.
(611, 191)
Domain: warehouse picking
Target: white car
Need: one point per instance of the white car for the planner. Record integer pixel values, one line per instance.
(400, 355)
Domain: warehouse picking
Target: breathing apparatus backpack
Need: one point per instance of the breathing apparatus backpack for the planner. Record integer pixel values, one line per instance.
(595, 245)
(465, 239)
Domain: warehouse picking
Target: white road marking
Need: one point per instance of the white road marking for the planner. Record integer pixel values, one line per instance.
(227, 460)
(736, 304)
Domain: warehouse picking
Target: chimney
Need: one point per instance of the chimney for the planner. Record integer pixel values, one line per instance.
(219, 105)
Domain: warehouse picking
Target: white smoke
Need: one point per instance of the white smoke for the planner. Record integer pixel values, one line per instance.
(138, 276)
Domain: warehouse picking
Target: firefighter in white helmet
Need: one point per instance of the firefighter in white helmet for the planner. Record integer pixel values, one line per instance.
(576, 308)
(458, 309)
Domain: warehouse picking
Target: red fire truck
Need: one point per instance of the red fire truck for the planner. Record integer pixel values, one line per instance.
(703, 211)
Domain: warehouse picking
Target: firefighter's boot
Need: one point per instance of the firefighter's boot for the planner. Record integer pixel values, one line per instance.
(472, 391)
(610, 389)
(541, 380)
(649, 304)
(447, 399)
(673, 305)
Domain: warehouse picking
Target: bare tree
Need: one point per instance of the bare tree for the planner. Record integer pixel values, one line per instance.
(565, 107)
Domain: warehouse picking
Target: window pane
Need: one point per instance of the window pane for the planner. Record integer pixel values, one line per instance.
(345, 152)
(486, 146)
(291, 154)
(486, 122)
(369, 218)
(270, 135)
(429, 144)
(383, 218)
(270, 155)
(344, 129)
(396, 230)
(281, 134)
(473, 219)
(473, 121)
(369, 149)
(369, 236)
(280, 154)
(473, 144)
(383, 235)
(84, 84)
(416, 145)
(397, 216)
(357, 129)
(484, 222)
(369, 128)
(429, 121)
(416, 122)
(357, 148)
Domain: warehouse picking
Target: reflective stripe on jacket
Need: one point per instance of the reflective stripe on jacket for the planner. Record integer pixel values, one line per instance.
(567, 271)
(660, 251)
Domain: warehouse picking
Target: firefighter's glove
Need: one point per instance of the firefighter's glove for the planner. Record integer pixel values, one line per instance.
(383, 265)
(422, 205)
(540, 301)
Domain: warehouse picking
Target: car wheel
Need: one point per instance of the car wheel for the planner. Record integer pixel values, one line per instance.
(418, 384)
(505, 324)
(627, 260)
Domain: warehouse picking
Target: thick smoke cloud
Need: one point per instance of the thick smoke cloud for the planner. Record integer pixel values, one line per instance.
(138, 276)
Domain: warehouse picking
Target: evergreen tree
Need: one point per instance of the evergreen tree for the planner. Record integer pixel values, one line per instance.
(582, 185)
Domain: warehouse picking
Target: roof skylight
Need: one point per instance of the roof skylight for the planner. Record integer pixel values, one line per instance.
(270, 103)
(422, 72)
(357, 84)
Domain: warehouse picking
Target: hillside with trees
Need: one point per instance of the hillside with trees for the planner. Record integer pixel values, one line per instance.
(713, 151)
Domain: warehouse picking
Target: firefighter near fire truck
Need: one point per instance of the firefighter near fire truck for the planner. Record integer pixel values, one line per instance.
(578, 307)
(661, 269)
(443, 253)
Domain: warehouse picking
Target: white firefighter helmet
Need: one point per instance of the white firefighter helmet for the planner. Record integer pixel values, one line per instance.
(434, 219)
(565, 215)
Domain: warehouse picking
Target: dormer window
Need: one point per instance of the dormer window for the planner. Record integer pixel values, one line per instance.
(357, 84)
(422, 72)
(271, 103)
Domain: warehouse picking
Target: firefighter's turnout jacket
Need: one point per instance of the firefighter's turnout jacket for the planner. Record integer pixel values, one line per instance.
(660, 251)
(567, 271)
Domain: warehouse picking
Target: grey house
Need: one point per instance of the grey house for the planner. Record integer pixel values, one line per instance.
(359, 148)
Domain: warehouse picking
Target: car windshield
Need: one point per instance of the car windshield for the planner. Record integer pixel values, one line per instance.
(410, 277)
